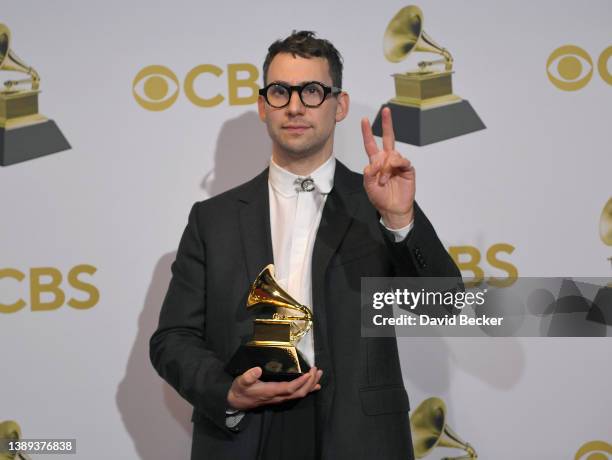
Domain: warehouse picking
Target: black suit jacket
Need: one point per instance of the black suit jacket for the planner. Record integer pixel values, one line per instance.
(362, 407)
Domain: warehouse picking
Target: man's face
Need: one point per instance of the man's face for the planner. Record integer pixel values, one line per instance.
(296, 130)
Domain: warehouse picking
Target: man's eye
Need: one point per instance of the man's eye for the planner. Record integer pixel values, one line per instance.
(313, 89)
(278, 91)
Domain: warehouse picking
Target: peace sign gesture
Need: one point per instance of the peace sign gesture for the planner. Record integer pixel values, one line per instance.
(389, 179)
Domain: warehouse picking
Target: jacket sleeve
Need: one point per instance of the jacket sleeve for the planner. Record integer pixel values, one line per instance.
(421, 253)
(178, 348)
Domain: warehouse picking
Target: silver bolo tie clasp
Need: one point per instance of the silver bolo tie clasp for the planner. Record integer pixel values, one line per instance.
(304, 184)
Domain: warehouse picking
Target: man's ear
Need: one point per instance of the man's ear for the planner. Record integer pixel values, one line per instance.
(342, 108)
(261, 109)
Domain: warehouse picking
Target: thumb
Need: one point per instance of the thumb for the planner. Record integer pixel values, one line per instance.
(251, 376)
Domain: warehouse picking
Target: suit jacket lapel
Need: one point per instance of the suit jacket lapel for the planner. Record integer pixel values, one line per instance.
(340, 207)
(338, 212)
(255, 225)
(256, 241)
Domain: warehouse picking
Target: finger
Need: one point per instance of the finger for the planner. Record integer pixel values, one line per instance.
(270, 390)
(306, 388)
(400, 163)
(319, 375)
(277, 400)
(277, 395)
(387, 129)
(288, 388)
(267, 391)
(250, 376)
(296, 395)
(395, 164)
(316, 375)
(371, 170)
(368, 139)
(316, 386)
(312, 374)
(385, 171)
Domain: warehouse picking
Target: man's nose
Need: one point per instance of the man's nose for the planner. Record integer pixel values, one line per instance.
(295, 106)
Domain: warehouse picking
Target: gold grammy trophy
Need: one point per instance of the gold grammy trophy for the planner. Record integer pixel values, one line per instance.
(424, 108)
(274, 339)
(430, 430)
(24, 133)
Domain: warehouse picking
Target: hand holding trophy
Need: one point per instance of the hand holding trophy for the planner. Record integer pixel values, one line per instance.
(269, 369)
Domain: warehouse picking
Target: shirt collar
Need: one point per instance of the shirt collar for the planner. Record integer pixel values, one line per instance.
(283, 181)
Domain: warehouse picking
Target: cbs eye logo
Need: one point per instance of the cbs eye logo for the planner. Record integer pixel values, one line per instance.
(594, 450)
(153, 82)
(156, 87)
(566, 67)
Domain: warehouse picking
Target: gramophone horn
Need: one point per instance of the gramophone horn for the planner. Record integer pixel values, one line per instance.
(430, 430)
(11, 62)
(605, 224)
(266, 290)
(405, 34)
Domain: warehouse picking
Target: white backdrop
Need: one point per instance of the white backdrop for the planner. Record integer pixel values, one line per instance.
(537, 179)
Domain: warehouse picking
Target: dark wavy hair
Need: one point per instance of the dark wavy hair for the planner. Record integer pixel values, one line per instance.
(305, 44)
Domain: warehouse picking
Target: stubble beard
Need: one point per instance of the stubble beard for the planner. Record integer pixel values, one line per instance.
(296, 150)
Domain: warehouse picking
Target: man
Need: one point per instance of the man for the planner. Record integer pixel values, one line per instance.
(324, 227)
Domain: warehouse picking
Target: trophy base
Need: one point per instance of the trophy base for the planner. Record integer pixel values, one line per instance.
(419, 86)
(423, 126)
(29, 141)
(18, 104)
(279, 363)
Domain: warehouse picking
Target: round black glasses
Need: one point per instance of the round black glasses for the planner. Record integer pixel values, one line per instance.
(312, 94)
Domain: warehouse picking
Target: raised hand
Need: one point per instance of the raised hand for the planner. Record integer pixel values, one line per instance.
(248, 392)
(389, 179)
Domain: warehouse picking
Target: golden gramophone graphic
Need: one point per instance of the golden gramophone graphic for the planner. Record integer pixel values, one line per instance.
(594, 450)
(430, 430)
(24, 133)
(424, 108)
(605, 227)
(10, 431)
(274, 339)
